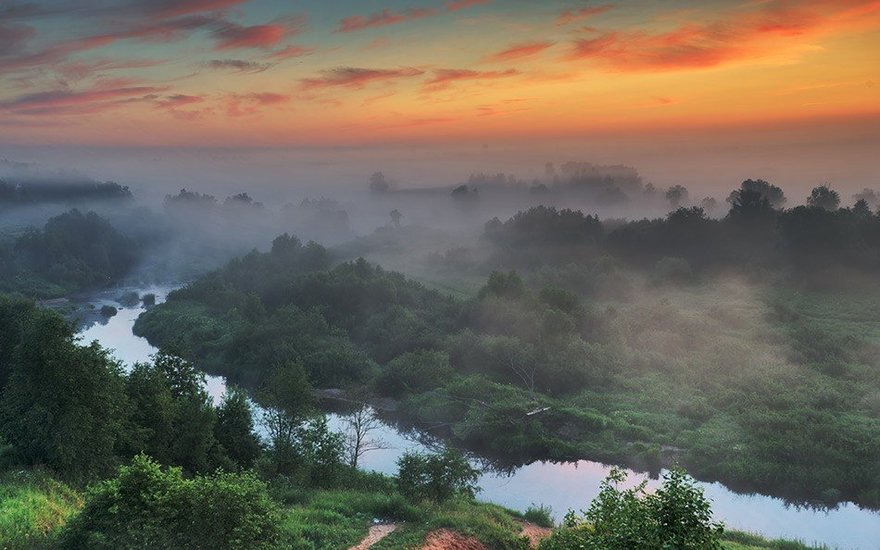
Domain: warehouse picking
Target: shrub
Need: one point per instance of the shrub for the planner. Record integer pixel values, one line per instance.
(436, 477)
(677, 516)
(146, 506)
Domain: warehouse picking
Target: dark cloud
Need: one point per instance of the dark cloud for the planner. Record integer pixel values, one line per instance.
(238, 65)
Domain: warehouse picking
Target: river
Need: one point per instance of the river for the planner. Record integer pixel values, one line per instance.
(562, 486)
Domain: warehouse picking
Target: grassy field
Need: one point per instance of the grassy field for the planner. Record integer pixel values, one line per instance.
(33, 506)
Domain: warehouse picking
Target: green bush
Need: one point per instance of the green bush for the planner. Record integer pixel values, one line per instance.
(147, 506)
(676, 516)
(436, 477)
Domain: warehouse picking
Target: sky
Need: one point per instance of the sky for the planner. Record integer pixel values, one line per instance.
(548, 75)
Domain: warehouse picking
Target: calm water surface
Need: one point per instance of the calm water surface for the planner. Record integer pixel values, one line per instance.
(561, 486)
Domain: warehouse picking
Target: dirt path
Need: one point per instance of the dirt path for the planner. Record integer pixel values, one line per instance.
(376, 533)
(535, 533)
(444, 539)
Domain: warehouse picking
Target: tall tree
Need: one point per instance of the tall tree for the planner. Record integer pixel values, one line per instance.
(64, 404)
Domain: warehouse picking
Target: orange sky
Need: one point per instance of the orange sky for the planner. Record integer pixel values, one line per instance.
(233, 73)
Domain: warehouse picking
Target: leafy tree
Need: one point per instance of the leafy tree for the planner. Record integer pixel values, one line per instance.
(173, 414)
(870, 196)
(824, 197)
(147, 506)
(63, 405)
(774, 195)
(396, 216)
(676, 195)
(379, 183)
(861, 209)
(235, 428)
(436, 477)
(749, 205)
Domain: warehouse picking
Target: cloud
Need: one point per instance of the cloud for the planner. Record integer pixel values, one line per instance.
(456, 5)
(252, 103)
(233, 36)
(381, 19)
(570, 16)
(356, 77)
(167, 9)
(443, 78)
(742, 36)
(14, 37)
(61, 102)
(289, 52)
(80, 70)
(178, 100)
(238, 65)
(518, 51)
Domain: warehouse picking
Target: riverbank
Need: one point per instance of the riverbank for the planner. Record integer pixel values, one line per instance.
(35, 507)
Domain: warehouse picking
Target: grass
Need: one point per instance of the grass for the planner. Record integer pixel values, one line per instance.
(494, 526)
(33, 506)
(740, 540)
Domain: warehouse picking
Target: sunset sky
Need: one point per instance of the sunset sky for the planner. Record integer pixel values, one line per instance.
(289, 74)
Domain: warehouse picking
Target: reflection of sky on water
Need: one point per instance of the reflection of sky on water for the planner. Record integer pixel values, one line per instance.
(115, 334)
(560, 486)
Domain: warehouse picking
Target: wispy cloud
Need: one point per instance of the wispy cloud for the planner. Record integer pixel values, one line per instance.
(238, 105)
(357, 77)
(238, 65)
(382, 19)
(521, 50)
(457, 5)
(61, 102)
(571, 16)
(443, 78)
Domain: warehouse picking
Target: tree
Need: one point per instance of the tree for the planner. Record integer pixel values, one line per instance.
(861, 209)
(395, 218)
(824, 197)
(379, 184)
(436, 477)
(235, 428)
(676, 195)
(869, 196)
(749, 205)
(709, 204)
(774, 195)
(64, 405)
(287, 399)
(360, 424)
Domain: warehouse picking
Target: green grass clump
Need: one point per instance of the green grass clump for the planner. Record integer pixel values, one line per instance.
(741, 540)
(32, 508)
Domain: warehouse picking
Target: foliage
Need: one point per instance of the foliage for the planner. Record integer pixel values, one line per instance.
(675, 516)
(436, 477)
(147, 506)
(76, 251)
(63, 405)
